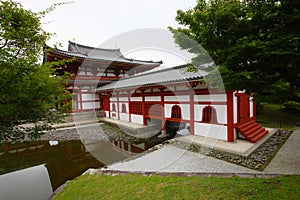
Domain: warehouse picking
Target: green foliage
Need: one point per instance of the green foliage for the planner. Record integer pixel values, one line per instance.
(275, 116)
(174, 187)
(29, 92)
(255, 43)
(292, 106)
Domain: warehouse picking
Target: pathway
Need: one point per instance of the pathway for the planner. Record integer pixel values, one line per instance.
(173, 159)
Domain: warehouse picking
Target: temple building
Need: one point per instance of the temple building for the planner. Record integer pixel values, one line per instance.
(91, 67)
(124, 89)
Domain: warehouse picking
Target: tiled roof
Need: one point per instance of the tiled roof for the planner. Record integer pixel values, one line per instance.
(161, 77)
(113, 55)
(96, 53)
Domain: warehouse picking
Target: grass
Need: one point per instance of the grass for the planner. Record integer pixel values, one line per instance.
(272, 116)
(132, 186)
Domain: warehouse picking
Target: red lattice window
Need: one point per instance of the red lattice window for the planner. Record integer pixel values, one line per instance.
(176, 112)
(135, 108)
(209, 115)
(124, 108)
(113, 107)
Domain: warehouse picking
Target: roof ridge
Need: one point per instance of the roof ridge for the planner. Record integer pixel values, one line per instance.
(89, 47)
(131, 59)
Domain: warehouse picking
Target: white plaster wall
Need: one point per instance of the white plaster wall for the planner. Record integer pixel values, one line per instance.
(152, 98)
(210, 98)
(123, 99)
(221, 113)
(177, 98)
(235, 110)
(87, 97)
(124, 117)
(168, 110)
(211, 130)
(113, 99)
(137, 119)
(251, 106)
(135, 98)
(90, 105)
(185, 111)
(97, 104)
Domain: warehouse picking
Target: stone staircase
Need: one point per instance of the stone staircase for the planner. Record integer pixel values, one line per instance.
(252, 131)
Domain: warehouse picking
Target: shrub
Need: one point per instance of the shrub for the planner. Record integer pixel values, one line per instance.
(292, 106)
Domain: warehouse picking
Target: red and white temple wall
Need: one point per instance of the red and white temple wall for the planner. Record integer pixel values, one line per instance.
(209, 115)
(216, 128)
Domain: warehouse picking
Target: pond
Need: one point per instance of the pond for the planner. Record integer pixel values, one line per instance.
(64, 160)
(64, 154)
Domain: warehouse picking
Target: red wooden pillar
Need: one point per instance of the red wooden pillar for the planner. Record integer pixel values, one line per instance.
(230, 127)
(192, 112)
(101, 102)
(143, 108)
(80, 98)
(129, 113)
(118, 106)
(109, 95)
(162, 103)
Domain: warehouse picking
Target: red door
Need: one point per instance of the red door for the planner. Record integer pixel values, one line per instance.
(243, 108)
(105, 103)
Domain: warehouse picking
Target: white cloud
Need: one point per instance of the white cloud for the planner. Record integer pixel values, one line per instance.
(92, 22)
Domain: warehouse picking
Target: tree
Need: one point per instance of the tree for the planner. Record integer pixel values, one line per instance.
(255, 43)
(29, 91)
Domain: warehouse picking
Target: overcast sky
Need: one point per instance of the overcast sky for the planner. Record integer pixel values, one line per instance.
(93, 22)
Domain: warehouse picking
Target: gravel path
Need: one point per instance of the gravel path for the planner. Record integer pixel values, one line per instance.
(287, 160)
(170, 158)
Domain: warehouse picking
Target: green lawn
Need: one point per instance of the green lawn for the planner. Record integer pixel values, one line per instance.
(175, 187)
(271, 115)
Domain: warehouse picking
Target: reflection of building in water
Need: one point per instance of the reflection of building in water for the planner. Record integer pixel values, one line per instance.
(65, 161)
(26, 147)
(130, 147)
(73, 150)
(109, 152)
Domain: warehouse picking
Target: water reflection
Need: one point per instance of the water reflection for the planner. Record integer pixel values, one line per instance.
(64, 160)
(109, 152)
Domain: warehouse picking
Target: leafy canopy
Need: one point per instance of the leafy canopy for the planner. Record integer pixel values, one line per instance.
(255, 43)
(29, 91)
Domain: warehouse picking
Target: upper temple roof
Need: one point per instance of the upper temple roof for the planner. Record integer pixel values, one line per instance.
(94, 53)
